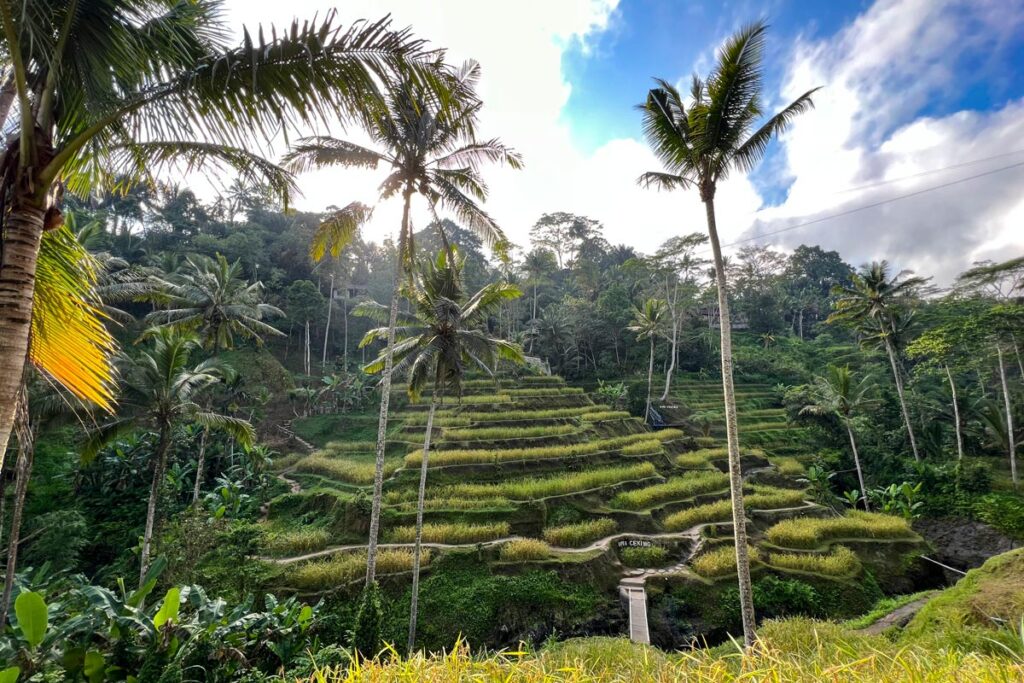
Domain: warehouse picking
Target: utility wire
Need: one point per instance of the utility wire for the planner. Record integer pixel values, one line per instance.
(928, 172)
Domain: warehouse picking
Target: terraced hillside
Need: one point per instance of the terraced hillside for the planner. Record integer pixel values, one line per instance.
(533, 473)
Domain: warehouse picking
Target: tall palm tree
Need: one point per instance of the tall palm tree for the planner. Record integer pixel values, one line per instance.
(837, 393)
(699, 143)
(445, 335)
(647, 324)
(430, 145)
(108, 93)
(161, 388)
(875, 304)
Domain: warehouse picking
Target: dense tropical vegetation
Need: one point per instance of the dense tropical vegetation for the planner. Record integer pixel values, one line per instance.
(209, 476)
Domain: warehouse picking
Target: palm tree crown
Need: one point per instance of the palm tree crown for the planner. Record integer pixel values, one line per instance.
(874, 300)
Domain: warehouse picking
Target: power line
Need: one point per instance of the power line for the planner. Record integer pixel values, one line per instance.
(919, 174)
(875, 204)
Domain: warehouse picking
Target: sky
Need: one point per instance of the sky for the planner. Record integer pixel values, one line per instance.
(914, 151)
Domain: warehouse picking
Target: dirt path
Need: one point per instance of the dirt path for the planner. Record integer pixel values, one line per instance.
(898, 617)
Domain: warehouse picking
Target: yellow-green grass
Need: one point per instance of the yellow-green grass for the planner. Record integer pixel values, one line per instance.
(718, 511)
(765, 426)
(653, 556)
(453, 533)
(360, 473)
(504, 433)
(524, 550)
(645, 447)
(285, 461)
(788, 466)
(479, 456)
(840, 562)
(581, 533)
(468, 417)
(811, 532)
(603, 415)
(543, 391)
(676, 488)
(771, 498)
(721, 561)
(350, 446)
(406, 500)
(555, 485)
(703, 456)
(347, 567)
(297, 541)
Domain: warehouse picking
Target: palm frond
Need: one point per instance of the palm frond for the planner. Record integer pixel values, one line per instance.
(338, 229)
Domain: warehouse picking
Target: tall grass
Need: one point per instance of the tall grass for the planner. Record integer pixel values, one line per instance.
(581, 533)
(676, 488)
(788, 466)
(453, 533)
(524, 550)
(468, 417)
(605, 415)
(645, 447)
(840, 562)
(360, 473)
(406, 501)
(721, 561)
(772, 498)
(504, 433)
(346, 567)
(654, 556)
(808, 532)
(543, 391)
(718, 511)
(297, 541)
(555, 485)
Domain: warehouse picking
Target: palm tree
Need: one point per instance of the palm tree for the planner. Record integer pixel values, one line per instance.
(110, 93)
(874, 303)
(836, 393)
(211, 297)
(446, 333)
(647, 323)
(537, 265)
(431, 147)
(160, 389)
(699, 143)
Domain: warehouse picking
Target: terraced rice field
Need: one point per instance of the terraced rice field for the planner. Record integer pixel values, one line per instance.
(533, 470)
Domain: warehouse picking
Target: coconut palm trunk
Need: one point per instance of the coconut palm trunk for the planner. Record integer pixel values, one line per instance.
(23, 471)
(672, 356)
(731, 428)
(899, 391)
(385, 399)
(200, 465)
(856, 463)
(327, 328)
(1009, 416)
(436, 398)
(956, 417)
(23, 230)
(159, 467)
(650, 379)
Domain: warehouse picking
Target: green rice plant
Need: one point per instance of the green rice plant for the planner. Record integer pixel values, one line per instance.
(453, 533)
(788, 466)
(840, 562)
(446, 420)
(555, 485)
(351, 446)
(505, 433)
(539, 414)
(481, 456)
(581, 533)
(718, 511)
(721, 561)
(606, 415)
(707, 441)
(544, 391)
(297, 541)
(676, 488)
(772, 498)
(811, 532)
(765, 426)
(524, 550)
(285, 461)
(348, 567)
(649, 447)
(477, 399)
(540, 379)
(653, 556)
(360, 473)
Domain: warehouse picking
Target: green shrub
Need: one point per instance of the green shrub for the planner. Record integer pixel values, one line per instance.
(676, 488)
(524, 550)
(810, 532)
(451, 533)
(581, 533)
(840, 562)
(721, 561)
(366, 632)
(1004, 511)
(653, 556)
(560, 484)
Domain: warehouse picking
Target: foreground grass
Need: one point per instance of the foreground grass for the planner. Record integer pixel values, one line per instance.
(791, 651)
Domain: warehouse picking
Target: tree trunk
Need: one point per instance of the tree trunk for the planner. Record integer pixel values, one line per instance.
(856, 463)
(23, 471)
(903, 401)
(732, 434)
(419, 519)
(23, 230)
(650, 379)
(800, 324)
(1009, 417)
(327, 329)
(672, 362)
(344, 348)
(385, 400)
(956, 417)
(306, 356)
(159, 466)
(534, 300)
(200, 462)
(1016, 351)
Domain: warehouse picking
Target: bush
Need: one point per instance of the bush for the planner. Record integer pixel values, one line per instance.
(580, 534)
(840, 562)
(721, 561)
(809, 532)
(653, 556)
(366, 632)
(524, 550)
(676, 488)
(1004, 511)
(560, 484)
(451, 533)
